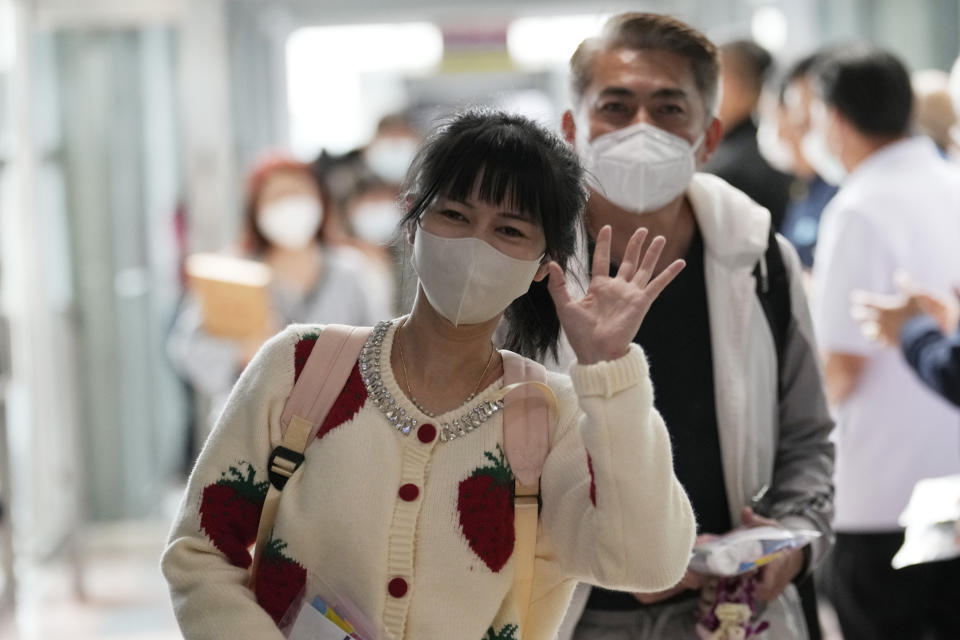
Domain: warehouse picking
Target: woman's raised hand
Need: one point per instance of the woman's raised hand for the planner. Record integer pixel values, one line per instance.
(602, 325)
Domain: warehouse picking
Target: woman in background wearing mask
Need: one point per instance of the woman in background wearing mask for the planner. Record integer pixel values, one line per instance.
(315, 276)
(372, 211)
(396, 508)
(372, 214)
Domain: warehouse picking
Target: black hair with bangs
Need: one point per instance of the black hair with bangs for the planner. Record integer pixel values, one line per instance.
(507, 158)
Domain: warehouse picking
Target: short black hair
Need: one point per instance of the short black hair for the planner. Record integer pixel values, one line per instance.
(748, 60)
(507, 158)
(799, 69)
(869, 86)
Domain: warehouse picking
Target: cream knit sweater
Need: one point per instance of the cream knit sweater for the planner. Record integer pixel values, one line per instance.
(418, 532)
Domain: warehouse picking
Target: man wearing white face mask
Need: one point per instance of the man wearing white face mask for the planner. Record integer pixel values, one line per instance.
(745, 68)
(810, 192)
(732, 357)
(897, 209)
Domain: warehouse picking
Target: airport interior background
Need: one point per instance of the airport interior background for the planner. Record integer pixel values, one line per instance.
(127, 128)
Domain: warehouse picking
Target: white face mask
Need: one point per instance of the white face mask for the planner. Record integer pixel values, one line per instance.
(291, 222)
(816, 149)
(466, 280)
(376, 222)
(818, 155)
(389, 158)
(639, 168)
(774, 150)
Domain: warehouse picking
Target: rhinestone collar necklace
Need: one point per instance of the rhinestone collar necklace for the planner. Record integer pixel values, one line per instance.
(398, 339)
(403, 421)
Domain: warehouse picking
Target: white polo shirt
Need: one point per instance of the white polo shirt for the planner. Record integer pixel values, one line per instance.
(900, 209)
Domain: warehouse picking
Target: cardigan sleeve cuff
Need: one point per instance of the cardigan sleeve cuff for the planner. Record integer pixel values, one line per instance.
(610, 377)
(916, 327)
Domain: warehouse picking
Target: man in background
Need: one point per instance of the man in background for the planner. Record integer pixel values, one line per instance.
(744, 69)
(809, 191)
(896, 210)
(933, 111)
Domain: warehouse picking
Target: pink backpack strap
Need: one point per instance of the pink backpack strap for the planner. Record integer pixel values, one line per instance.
(526, 441)
(333, 357)
(526, 419)
(326, 371)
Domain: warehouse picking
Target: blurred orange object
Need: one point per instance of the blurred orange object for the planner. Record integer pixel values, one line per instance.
(232, 293)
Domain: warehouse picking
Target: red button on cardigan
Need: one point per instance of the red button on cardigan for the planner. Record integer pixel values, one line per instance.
(409, 492)
(397, 587)
(427, 433)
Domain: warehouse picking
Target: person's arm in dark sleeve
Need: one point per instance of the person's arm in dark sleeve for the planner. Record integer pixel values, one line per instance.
(933, 356)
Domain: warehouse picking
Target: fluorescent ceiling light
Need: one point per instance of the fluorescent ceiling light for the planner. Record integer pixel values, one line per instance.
(414, 46)
(769, 28)
(341, 79)
(539, 42)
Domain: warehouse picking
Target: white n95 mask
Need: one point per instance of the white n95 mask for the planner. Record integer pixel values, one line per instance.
(824, 162)
(466, 280)
(376, 222)
(291, 222)
(639, 168)
(816, 150)
(389, 158)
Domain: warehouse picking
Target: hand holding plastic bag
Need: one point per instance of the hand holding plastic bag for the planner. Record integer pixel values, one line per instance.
(732, 601)
(745, 550)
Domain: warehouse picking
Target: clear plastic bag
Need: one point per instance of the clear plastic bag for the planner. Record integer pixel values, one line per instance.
(745, 550)
(932, 522)
(319, 613)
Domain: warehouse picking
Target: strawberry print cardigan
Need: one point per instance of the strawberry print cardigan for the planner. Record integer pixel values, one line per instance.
(417, 530)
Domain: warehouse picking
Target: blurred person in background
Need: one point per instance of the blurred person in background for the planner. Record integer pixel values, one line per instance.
(287, 226)
(954, 88)
(385, 159)
(372, 216)
(748, 422)
(896, 210)
(809, 191)
(926, 328)
(744, 68)
(389, 153)
(933, 112)
(372, 212)
(364, 187)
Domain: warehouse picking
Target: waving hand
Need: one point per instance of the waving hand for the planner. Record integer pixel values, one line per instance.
(602, 325)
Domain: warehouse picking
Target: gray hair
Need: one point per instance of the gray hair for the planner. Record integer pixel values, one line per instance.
(641, 31)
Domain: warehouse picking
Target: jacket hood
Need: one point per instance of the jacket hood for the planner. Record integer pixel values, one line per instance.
(734, 227)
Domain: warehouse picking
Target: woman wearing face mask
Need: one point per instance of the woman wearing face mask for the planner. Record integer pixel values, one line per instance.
(396, 507)
(373, 215)
(314, 276)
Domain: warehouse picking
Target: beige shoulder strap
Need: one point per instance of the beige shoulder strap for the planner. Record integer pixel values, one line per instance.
(324, 374)
(526, 441)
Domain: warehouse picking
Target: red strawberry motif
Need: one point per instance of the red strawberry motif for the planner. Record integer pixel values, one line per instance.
(509, 632)
(279, 581)
(302, 351)
(593, 482)
(348, 403)
(485, 503)
(230, 513)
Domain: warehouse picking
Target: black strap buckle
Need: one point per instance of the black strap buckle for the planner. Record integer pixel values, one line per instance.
(279, 471)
